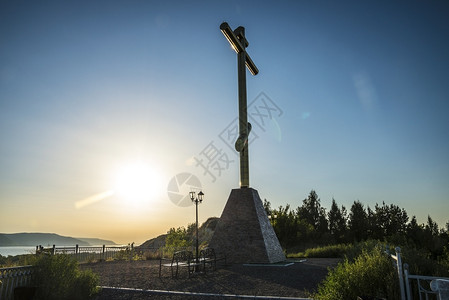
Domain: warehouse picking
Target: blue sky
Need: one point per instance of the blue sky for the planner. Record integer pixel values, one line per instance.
(87, 87)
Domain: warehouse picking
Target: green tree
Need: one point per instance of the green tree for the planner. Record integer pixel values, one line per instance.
(178, 238)
(432, 227)
(371, 221)
(310, 209)
(415, 232)
(285, 226)
(390, 220)
(267, 207)
(337, 222)
(433, 241)
(358, 222)
(312, 212)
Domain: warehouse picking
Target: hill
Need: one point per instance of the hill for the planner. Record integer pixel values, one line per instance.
(96, 242)
(5, 241)
(155, 243)
(46, 239)
(205, 232)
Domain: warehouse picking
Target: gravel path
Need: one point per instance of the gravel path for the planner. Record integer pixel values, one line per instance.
(298, 279)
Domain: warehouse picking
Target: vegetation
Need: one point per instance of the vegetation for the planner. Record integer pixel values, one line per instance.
(181, 237)
(59, 277)
(311, 226)
(371, 273)
(16, 260)
(368, 271)
(307, 231)
(178, 238)
(355, 236)
(331, 251)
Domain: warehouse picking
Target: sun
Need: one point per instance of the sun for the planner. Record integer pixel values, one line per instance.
(135, 183)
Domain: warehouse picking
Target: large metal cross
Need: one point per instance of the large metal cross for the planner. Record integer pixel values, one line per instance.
(239, 43)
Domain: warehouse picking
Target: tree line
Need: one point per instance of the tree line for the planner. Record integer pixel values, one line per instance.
(311, 225)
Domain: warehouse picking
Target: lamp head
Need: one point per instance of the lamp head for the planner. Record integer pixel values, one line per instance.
(192, 196)
(200, 196)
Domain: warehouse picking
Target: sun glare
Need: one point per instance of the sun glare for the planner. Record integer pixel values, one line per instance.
(136, 183)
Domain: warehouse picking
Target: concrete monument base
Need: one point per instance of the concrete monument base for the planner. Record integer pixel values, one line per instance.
(244, 233)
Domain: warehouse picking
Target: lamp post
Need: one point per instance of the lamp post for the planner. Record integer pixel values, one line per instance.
(196, 200)
(239, 43)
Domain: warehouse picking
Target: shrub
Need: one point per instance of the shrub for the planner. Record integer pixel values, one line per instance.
(335, 251)
(296, 255)
(85, 285)
(357, 249)
(58, 277)
(372, 273)
(350, 251)
(177, 239)
(16, 260)
(420, 263)
(328, 251)
(444, 259)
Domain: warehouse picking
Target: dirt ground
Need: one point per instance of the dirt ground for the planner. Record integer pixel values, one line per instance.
(298, 278)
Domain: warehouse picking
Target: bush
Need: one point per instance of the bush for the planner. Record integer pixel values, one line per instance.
(420, 263)
(444, 259)
(334, 251)
(16, 260)
(372, 274)
(350, 251)
(328, 251)
(58, 277)
(358, 248)
(177, 239)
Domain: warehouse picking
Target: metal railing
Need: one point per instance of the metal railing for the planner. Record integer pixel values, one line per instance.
(426, 287)
(398, 263)
(441, 286)
(13, 277)
(10, 278)
(91, 253)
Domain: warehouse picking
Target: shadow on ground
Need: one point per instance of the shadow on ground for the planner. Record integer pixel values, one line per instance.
(296, 280)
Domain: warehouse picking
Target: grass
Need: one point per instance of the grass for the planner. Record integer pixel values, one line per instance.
(350, 251)
(330, 251)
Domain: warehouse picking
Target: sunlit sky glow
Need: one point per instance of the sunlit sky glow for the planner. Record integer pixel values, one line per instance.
(92, 92)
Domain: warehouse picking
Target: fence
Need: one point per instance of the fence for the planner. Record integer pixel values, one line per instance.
(10, 278)
(92, 253)
(426, 287)
(398, 263)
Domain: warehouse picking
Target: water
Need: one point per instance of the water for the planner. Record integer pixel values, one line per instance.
(17, 250)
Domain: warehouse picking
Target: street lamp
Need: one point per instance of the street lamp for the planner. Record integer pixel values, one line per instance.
(196, 200)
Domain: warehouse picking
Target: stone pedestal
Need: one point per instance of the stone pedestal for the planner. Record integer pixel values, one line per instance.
(244, 233)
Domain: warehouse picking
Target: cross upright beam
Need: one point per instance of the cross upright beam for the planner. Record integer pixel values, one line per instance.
(239, 43)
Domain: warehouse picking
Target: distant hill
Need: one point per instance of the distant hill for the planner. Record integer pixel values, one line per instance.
(205, 233)
(46, 239)
(5, 241)
(96, 242)
(155, 243)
